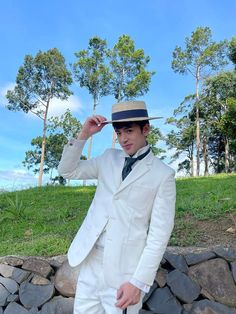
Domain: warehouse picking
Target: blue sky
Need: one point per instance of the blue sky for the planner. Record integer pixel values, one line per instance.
(157, 26)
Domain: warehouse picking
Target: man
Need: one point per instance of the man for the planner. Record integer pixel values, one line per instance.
(125, 233)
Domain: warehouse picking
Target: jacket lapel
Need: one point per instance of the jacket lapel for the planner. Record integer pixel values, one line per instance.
(138, 171)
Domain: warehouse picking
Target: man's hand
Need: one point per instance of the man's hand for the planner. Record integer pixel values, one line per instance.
(91, 126)
(127, 295)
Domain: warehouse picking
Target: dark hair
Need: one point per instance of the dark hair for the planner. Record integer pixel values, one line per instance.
(129, 124)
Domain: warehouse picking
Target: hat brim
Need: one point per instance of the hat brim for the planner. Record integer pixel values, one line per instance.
(132, 119)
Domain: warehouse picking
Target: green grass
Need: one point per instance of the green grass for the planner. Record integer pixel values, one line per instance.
(43, 221)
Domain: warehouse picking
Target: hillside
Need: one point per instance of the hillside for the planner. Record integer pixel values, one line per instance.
(43, 221)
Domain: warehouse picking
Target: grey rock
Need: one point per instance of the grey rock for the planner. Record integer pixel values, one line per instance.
(15, 308)
(233, 267)
(35, 295)
(147, 295)
(1, 310)
(20, 275)
(39, 280)
(228, 254)
(66, 279)
(13, 298)
(58, 305)
(215, 277)
(162, 301)
(4, 293)
(183, 287)
(161, 277)
(195, 258)
(145, 312)
(38, 266)
(176, 261)
(210, 307)
(12, 261)
(34, 310)
(6, 270)
(9, 284)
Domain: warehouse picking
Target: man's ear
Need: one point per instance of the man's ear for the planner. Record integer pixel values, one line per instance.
(146, 129)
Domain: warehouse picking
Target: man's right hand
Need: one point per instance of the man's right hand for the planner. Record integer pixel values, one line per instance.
(91, 126)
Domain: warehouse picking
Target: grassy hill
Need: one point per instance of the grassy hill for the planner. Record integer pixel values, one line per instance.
(43, 221)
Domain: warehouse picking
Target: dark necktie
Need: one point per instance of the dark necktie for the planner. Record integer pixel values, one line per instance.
(129, 161)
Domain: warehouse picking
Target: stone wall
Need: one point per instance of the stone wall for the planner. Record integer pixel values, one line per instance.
(194, 281)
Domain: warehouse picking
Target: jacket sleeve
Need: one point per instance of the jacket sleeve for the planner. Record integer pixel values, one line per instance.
(160, 228)
(71, 167)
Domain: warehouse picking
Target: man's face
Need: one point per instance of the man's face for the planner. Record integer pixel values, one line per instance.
(132, 138)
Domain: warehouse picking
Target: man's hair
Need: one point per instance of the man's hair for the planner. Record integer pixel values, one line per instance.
(129, 124)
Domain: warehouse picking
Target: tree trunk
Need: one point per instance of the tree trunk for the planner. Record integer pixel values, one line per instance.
(40, 178)
(192, 162)
(226, 154)
(205, 156)
(198, 143)
(91, 138)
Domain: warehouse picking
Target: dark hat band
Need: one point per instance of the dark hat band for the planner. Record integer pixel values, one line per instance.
(127, 114)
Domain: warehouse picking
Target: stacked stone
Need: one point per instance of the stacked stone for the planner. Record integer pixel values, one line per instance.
(186, 283)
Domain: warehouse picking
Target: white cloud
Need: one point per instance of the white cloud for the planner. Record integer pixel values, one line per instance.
(13, 175)
(3, 92)
(58, 107)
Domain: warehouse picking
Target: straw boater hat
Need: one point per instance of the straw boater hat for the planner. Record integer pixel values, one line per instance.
(130, 111)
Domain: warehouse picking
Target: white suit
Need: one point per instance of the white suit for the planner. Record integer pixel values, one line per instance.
(138, 213)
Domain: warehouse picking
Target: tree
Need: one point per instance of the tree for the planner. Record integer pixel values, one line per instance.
(153, 137)
(220, 98)
(92, 73)
(130, 79)
(39, 80)
(182, 139)
(232, 51)
(60, 130)
(200, 56)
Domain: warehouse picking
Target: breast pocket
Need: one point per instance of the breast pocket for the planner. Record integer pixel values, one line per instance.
(140, 197)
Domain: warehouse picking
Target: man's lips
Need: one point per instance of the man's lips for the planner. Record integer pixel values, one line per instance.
(128, 146)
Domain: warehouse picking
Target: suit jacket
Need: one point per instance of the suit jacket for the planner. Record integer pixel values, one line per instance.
(138, 213)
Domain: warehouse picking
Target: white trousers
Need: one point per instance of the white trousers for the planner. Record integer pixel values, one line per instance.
(93, 295)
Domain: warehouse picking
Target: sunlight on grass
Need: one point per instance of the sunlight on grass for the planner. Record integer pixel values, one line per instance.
(52, 215)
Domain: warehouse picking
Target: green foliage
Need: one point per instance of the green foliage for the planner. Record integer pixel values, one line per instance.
(130, 78)
(14, 210)
(60, 130)
(40, 79)
(200, 54)
(232, 50)
(90, 69)
(153, 137)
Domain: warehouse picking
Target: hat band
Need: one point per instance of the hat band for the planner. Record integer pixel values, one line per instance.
(127, 114)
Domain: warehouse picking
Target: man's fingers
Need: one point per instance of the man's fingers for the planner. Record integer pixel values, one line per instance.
(119, 293)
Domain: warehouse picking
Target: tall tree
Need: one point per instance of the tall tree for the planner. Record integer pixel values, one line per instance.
(92, 73)
(130, 79)
(39, 80)
(153, 138)
(200, 56)
(60, 130)
(220, 98)
(182, 138)
(232, 51)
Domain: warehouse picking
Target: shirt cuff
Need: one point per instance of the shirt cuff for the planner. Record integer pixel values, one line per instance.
(142, 286)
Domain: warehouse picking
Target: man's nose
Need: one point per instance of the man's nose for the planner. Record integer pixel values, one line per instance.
(123, 138)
